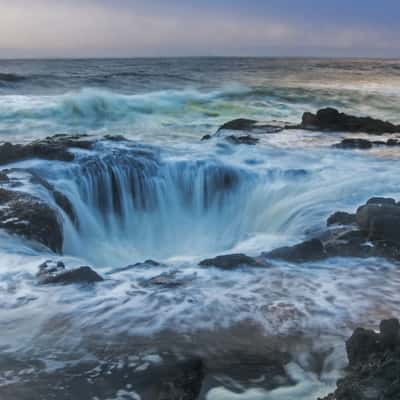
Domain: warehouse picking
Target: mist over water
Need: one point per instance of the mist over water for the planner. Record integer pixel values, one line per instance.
(170, 197)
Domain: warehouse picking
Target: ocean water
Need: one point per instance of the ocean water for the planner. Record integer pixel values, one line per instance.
(180, 200)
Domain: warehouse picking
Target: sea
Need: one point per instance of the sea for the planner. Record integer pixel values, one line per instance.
(181, 200)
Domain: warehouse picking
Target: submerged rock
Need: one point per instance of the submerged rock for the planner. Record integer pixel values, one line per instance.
(310, 250)
(231, 261)
(355, 143)
(65, 277)
(330, 119)
(248, 139)
(240, 124)
(28, 216)
(374, 365)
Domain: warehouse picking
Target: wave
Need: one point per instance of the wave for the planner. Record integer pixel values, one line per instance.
(10, 77)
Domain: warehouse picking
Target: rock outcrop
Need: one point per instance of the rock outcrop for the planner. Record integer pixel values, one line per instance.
(374, 365)
(231, 261)
(310, 250)
(51, 272)
(330, 119)
(28, 216)
(52, 148)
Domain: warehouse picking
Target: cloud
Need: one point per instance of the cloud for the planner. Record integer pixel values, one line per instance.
(37, 28)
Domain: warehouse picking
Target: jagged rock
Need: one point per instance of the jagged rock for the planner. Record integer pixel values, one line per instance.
(248, 139)
(230, 261)
(380, 221)
(374, 365)
(51, 148)
(61, 200)
(50, 268)
(28, 216)
(330, 119)
(240, 124)
(310, 250)
(184, 383)
(341, 218)
(206, 137)
(66, 277)
(361, 345)
(355, 143)
(382, 201)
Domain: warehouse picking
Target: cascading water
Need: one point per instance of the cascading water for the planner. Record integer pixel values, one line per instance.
(131, 205)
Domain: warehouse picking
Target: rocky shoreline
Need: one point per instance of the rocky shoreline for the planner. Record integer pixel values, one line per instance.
(374, 365)
(372, 231)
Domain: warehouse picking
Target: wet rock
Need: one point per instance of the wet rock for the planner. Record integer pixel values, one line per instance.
(240, 124)
(355, 143)
(184, 383)
(51, 148)
(248, 139)
(28, 216)
(330, 119)
(167, 280)
(392, 142)
(380, 221)
(67, 277)
(382, 201)
(361, 345)
(61, 200)
(310, 250)
(206, 137)
(50, 268)
(374, 365)
(231, 261)
(341, 218)
(390, 333)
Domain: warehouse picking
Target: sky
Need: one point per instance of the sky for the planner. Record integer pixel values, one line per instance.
(142, 28)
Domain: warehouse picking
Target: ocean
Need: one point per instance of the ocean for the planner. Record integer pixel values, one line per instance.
(171, 197)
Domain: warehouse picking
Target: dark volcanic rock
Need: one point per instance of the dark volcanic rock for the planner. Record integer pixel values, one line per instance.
(355, 143)
(330, 119)
(50, 268)
(230, 261)
(206, 137)
(248, 139)
(382, 201)
(52, 148)
(240, 124)
(66, 277)
(311, 250)
(374, 365)
(380, 221)
(341, 218)
(184, 383)
(28, 216)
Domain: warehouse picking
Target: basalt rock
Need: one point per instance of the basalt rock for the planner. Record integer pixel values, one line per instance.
(355, 143)
(51, 148)
(28, 216)
(374, 365)
(310, 250)
(341, 218)
(60, 275)
(380, 221)
(231, 261)
(248, 139)
(330, 119)
(240, 124)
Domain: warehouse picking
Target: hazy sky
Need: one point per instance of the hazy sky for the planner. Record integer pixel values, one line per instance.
(97, 28)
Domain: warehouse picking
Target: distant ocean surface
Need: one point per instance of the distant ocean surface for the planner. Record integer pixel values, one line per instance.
(168, 196)
(167, 99)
